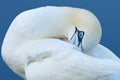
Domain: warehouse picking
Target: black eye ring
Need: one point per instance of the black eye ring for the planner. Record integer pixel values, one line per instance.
(81, 34)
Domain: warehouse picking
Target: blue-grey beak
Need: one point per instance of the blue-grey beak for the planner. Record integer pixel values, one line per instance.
(77, 37)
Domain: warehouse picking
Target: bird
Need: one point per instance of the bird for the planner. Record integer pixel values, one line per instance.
(54, 43)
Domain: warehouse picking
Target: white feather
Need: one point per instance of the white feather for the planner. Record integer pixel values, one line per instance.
(28, 50)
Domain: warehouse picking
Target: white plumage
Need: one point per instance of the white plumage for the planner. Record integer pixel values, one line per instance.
(36, 46)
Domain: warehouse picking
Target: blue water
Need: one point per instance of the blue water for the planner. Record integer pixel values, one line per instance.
(107, 11)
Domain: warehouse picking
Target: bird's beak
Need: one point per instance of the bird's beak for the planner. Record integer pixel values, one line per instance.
(77, 37)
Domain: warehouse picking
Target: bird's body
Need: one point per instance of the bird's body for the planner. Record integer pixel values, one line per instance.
(36, 46)
(46, 59)
(66, 63)
(101, 52)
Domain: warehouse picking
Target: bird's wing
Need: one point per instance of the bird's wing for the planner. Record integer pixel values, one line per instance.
(102, 52)
(67, 63)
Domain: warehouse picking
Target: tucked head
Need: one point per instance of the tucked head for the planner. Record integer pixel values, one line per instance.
(86, 32)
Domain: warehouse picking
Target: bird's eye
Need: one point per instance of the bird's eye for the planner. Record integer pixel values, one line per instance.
(81, 34)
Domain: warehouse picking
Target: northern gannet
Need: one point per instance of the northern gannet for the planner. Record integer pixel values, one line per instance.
(34, 46)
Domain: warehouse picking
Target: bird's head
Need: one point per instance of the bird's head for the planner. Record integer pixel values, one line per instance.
(86, 32)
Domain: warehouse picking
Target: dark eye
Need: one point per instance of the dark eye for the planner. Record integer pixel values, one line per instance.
(81, 34)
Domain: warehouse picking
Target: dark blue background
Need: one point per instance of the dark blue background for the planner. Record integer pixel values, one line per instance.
(107, 11)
